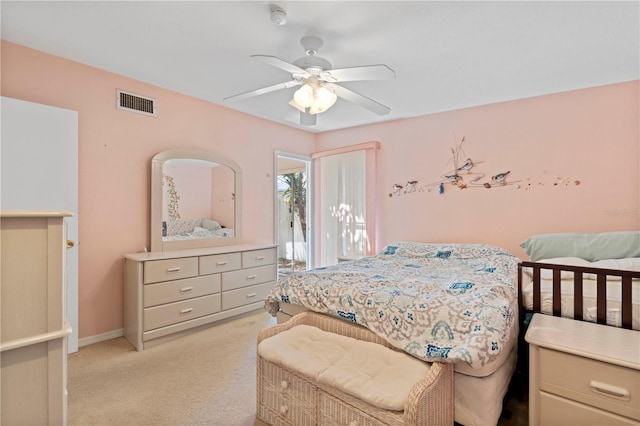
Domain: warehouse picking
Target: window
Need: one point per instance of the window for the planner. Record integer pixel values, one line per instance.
(346, 204)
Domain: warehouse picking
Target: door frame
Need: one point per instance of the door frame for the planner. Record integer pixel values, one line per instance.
(310, 201)
(40, 151)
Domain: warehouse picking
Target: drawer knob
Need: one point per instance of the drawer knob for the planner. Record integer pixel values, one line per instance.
(172, 270)
(609, 390)
(284, 384)
(284, 409)
(251, 277)
(186, 311)
(222, 263)
(186, 289)
(259, 258)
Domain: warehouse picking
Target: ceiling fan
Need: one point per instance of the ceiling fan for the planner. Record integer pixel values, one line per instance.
(319, 91)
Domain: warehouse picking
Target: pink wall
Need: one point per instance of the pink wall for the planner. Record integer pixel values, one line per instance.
(589, 135)
(222, 199)
(193, 186)
(115, 151)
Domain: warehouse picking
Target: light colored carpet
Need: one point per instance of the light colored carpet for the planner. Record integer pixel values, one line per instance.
(205, 378)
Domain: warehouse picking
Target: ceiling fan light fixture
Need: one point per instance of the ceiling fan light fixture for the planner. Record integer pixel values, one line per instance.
(325, 97)
(323, 100)
(304, 96)
(297, 106)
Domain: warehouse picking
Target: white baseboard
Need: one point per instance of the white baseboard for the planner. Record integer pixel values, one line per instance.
(85, 341)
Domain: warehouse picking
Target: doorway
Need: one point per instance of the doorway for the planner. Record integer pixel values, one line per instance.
(293, 212)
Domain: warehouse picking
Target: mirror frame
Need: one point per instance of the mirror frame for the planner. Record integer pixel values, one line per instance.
(157, 243)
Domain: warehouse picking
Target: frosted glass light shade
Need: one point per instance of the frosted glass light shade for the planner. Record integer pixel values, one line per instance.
(324, 100)
(304, 96)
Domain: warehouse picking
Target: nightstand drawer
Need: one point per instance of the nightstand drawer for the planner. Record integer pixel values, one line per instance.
(174, 291)
(172, 269)
(247, 277)
(610, 387)
(171, 313)
(244, 296)
(220, 263)
(560, 411)
(251, 259)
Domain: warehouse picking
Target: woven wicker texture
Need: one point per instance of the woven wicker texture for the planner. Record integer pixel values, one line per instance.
(286, 398)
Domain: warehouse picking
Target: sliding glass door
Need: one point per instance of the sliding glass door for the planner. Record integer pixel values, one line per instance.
(293, 217)
(345, 211)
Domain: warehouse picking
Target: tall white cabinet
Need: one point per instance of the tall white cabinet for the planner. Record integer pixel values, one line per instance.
(34, 326)
(39, 171)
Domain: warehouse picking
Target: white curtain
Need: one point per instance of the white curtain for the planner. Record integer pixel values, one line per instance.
(343, 204)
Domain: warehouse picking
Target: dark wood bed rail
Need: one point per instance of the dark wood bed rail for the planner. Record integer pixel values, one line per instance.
(578, 272)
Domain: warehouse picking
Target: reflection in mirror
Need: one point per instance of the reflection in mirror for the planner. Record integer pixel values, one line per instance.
(195, 202)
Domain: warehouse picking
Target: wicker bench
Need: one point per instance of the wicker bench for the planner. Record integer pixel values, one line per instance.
(327, 379)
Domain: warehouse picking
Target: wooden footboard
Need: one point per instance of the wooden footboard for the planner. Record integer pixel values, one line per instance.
(626, 278)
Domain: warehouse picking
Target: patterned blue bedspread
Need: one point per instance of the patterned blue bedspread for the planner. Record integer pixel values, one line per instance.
(438, 302)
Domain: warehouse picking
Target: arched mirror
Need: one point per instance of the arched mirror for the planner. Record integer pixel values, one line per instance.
(195, 200)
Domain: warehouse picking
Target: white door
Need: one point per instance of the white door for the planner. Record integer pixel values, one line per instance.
(39, 171)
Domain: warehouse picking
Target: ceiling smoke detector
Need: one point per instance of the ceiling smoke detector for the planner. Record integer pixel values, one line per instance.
(278, 15)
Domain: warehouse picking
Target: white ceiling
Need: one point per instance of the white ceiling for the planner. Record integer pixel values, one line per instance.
(446, 54)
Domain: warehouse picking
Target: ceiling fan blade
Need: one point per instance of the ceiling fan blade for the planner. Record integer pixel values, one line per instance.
(279, 63)
(360, 100)
(367, 72)
(262, 91)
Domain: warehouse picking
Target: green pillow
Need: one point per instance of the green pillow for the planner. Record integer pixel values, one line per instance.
(211, 225)
(591, 247)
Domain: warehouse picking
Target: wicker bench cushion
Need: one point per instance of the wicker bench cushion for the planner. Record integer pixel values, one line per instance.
(373, 373)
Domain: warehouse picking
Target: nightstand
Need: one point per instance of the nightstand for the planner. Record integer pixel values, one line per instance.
(582, 373)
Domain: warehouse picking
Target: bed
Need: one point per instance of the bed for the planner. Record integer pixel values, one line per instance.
(463, 297)
(192, 229)
(587, 277)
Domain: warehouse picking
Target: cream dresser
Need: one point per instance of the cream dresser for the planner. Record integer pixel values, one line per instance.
(34, 332)
(173, 292)
(582, 373)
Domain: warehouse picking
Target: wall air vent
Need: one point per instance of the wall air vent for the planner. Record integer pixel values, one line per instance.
(128, 101)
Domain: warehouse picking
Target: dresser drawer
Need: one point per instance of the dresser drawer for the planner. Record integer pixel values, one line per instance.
(559, 411)
(606, 386)
(171, 313)
(172, 269)
(220, 263)
(244, 296)
(174, 291)
(253, 258)
(246, 277)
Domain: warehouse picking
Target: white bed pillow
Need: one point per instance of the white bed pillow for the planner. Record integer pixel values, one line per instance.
(626, 264)
(547, 274)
